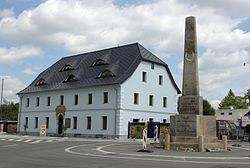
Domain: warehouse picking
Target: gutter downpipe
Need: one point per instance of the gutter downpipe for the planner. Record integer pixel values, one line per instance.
(116, 110)
(19, 116)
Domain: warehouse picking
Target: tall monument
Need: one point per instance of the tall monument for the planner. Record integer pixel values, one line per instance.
(190, 129)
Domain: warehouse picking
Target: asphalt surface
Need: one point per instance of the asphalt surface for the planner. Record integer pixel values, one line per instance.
(46, 152)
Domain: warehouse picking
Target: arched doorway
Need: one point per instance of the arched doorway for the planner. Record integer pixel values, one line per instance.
(60, 124)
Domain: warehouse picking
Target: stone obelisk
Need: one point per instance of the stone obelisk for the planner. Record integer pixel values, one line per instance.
(190, 129)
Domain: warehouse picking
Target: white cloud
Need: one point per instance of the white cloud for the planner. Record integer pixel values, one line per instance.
(33, 70)
(12, 86)
(15, 55)
(81, 26)
(6, 13)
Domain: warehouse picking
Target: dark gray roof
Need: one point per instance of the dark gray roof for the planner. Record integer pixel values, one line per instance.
(121, 61)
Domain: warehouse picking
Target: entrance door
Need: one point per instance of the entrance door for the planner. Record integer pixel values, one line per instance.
(60, 124)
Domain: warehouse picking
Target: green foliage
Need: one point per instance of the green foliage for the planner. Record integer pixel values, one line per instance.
(9, 112)
(236, 102)
(207, 108)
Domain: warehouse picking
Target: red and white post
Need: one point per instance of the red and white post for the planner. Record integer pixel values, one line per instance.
(145, 139)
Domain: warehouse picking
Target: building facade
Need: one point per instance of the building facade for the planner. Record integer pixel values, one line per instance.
(98, 93)
(239, 117)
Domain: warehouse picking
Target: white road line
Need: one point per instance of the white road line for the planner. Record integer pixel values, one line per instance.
(2, 139)
(37, 141)
(50, 140)
(28, 140)
(19, 140)
(69, 150)
(106, 152)
(9, 145)
(10, 139)
(248, 149)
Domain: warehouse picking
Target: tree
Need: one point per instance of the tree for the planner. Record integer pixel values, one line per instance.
(9, 111)
(207, 108)
(232, 101)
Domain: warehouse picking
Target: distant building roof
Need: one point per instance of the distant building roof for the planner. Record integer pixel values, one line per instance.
(103, 67)
(247, 114)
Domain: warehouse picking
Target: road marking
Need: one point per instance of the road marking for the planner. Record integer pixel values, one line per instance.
(248, 149)
(19, 140)
(37, 141)
(28, 140)
(51, 140)
(183, 160)
(2, 139)
(9, 145)
(106, 152)
(10, 139)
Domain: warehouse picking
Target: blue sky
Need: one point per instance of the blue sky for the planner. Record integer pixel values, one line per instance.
(35, 34)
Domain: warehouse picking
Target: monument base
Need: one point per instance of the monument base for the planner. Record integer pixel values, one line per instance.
(194, 132)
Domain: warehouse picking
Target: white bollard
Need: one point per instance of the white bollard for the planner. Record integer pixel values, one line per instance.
(145, 139)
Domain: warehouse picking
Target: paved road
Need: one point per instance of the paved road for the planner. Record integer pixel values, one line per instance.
(80, 153)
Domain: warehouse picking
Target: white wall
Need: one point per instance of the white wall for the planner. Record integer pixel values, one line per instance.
(82, 110)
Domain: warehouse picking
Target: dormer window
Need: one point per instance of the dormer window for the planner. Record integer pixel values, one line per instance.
(105, 74)
(71, 78)
(41, 82)
(99, 62)
(66, 68)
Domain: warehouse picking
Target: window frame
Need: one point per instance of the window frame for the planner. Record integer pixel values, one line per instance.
(76, 99)
(144, 76)
(105, 97)
(37, 101)
(160, 80)
(61, 100)
(47, 122)
(104, 122)
(136, 98)
(151, 100)
(75, 122)
(89, 120)
(36, 122)
(90, 98)
(164, 102)
(48, 101)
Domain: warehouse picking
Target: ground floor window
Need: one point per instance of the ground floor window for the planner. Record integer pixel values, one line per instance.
(26, 123)
(47, 122)
(36, 122)
(67, 123)
(88, 122)
(74, 122)
(104, 122)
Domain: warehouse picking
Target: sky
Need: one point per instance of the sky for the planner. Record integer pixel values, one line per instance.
(34, 34)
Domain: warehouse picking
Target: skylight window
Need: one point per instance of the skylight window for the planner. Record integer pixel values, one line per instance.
(105, 74)
(41, 82)
(99, 62)
(66, 68)
(71, 78)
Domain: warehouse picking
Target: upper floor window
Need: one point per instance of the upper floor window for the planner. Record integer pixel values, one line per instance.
(90, 98)
(99, 62)
(151, 100)
(37, 101)
(66, 67)
(105, 97)
(160, 80)
(164, 102)
(76, 99)
(152, 66)
(144, 76)
(221, 113)
(70, 78)
(48, 101)
(88, 122)
(136, 98)
(105, 73)
(47, 122)
(67, 122)
(41, 82)
(27, 102)
(61, 100)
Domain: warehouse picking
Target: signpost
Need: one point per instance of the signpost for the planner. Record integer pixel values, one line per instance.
(43, 130)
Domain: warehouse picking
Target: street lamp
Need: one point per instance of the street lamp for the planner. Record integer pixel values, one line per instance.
(246, 63)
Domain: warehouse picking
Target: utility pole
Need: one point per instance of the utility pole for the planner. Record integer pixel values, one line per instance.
(1, 99)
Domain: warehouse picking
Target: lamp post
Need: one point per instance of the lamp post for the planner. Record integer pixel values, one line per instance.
(245, 63)
(1, 110)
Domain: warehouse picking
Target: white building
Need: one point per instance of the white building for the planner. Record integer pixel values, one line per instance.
(237, 116)
(98, 93)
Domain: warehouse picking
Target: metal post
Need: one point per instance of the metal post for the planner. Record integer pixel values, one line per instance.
(1, 99)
